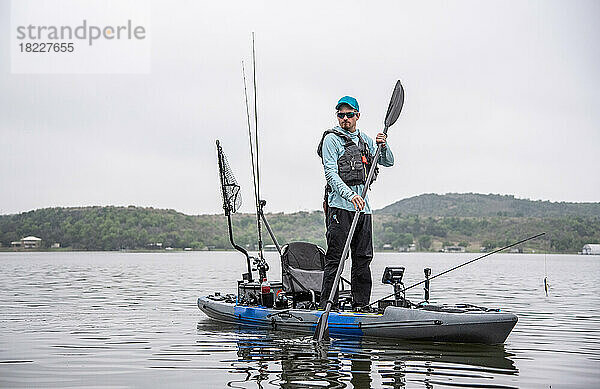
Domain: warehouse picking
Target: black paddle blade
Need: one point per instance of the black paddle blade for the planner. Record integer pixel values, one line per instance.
(395, 107)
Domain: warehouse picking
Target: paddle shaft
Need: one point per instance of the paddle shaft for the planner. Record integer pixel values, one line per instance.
(323, 320)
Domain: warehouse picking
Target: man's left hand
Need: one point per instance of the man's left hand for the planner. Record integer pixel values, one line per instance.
(381, 139)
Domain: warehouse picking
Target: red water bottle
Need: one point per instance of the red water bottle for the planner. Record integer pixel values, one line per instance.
(265, 294)
(265, 287)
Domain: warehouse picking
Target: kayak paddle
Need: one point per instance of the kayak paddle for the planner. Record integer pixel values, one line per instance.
(393, 111)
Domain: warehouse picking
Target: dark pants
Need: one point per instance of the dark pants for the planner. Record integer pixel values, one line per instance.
(361, 247)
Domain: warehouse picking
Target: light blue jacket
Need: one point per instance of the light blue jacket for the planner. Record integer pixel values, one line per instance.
(333, 148)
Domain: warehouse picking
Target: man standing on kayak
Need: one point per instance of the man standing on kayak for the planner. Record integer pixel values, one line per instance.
(347, 155)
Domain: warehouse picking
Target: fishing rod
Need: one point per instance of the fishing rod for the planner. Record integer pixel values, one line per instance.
(262, 202)
(393, 112)
(459, 266)
(249, 128)
(256, 173)
(546, 283)
(261, 263)
(259, 202)
(254, 170)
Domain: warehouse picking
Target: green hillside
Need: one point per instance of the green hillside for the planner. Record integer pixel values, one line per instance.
(428, 221)
(480, 205)
(563, 234)
(114, 228)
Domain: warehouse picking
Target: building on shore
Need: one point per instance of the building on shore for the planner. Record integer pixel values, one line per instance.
(155, 246)
(29, 242)
(410, 248)
(591, 249)
(454, 249)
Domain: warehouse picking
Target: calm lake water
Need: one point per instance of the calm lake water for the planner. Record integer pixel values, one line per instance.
(131, 320)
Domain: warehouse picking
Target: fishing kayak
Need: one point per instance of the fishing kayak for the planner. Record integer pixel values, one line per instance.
(291, 304)
(446, 323)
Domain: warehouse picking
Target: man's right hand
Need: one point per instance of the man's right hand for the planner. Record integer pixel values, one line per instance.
(358, 202)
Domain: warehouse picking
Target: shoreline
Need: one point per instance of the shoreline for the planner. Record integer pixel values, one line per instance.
(179, 250)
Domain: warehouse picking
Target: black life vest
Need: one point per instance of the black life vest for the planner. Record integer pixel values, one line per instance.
(354, 164)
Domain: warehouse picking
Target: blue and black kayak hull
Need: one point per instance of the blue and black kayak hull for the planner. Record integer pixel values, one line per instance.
(441, 323)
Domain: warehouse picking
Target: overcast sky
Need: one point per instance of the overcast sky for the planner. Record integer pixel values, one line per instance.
(501, 97)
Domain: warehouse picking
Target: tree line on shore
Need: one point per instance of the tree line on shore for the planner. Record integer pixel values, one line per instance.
(115, 228)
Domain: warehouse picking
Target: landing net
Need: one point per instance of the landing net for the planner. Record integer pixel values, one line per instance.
(230, 190)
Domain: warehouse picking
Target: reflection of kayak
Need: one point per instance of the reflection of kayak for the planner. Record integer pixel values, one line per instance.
(297, 352)
(460, 323)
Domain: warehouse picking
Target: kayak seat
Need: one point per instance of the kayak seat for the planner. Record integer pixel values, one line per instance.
(302, 265)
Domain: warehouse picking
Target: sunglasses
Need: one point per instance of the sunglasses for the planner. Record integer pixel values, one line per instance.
(349, 115)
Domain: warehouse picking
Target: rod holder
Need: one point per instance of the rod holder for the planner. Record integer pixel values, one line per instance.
(427, 272)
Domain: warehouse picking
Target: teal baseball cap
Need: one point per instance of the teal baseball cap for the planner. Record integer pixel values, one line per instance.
(351, 101)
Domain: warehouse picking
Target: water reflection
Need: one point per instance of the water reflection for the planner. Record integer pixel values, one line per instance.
(270, 358)
(129, 320)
